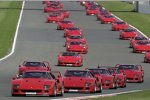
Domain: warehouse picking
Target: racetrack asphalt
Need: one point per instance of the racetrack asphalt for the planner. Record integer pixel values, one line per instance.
(38, 41)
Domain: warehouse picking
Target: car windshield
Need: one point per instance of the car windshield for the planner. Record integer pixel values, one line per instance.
(126, 67)
(76, 37)
(120, 22)
(34, 64)
(73, 28)
(112, 71)
(109, 16)
(76, 43)
(99, 71)
(129, 30)
(143, 42)
(140, 38)
(70, 54)
(65, 21)
(76, 73)
(36, 75)
(54, 15)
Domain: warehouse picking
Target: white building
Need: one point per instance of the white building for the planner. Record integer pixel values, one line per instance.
(144, 7)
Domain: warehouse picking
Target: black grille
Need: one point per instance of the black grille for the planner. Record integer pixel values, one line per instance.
(31, 90)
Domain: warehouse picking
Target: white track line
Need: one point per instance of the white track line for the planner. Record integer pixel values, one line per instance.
(16, 34)
(96, 96)
(132, 27)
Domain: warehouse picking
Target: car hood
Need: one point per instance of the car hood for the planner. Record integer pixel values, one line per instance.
(33, 83)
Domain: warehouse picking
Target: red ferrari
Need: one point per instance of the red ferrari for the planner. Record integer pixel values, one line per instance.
(147, 57)
(102, 12)
(119, 25)
(73, 30)
(136, 39)
(76, 46)
(121, 77)
(134, 73)
(107, 19)
(82, 81)
(54, 17)
(128, 34)
(74, 37)
(65, 13)
(28, 65)
(52, 8)
(92, 11)
(65, 24)
(142, 46)
(70, 59)
(37, 83)
(89, 4)
(108, 80)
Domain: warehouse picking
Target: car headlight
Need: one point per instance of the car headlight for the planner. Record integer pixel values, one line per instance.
(46, 87)
(16, 86)
(87, 84)
(107, 81)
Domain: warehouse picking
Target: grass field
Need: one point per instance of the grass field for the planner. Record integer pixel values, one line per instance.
(143, 95)
(124, 10)
(9, 15)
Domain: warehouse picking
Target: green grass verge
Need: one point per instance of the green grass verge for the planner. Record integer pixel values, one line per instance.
(9, 15)
(143, 95)
(124, 11)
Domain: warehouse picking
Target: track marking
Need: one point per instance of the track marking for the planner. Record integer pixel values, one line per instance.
(96, 96)
(16, 34)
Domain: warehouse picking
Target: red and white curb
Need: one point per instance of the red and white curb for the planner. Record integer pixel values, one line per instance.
(96, 96)
(16, 34)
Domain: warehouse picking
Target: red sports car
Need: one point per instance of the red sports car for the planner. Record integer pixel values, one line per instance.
(92, 11)
(89, 4)
(82, 81)
(56, 4)
(136, 39)
(70, 59)
(107, 19)
(108, 80)
(37, 83)
(76, 46)
(65, 13)
(28, 65)
(121, 77)
(128, 34)
(102, 12)
(52, 8)
(147, 57)
(119, 25)
(65, 24)
(74, 37)
(134, 73)
(73, 30)
(54, 17)
(142, 46)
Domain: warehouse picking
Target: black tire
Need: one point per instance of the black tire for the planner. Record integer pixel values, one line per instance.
(62, 91)
(145, 60)
(101, 88)
(55, 91)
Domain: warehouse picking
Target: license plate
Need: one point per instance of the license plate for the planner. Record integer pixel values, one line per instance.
(73, 90)
(69, 64)
(143, 52)
(30, 93)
